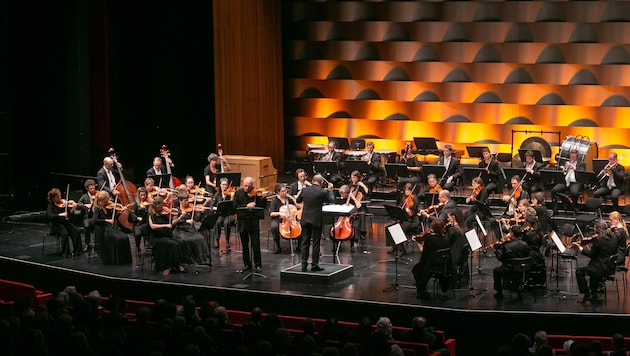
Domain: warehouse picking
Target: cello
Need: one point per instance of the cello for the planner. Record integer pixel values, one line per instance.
(343, 229)
(127, 192)
(290, 227)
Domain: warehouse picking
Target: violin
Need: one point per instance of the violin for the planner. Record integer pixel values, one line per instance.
(435, 189)
(93, 196)
(63, 203)
(421, 237)
(116, 206)
(169, 211)
(408, 204)
(509, 237)
(432, 209)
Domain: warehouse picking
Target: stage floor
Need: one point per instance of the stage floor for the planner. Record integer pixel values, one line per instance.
(372, 276)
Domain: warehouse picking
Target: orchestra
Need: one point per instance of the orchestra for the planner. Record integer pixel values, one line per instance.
(169, 218)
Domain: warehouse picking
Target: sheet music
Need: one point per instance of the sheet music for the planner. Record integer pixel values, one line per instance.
(397, 233)
(473, 240)
(557, 242)
(338, 209)
(483, 229)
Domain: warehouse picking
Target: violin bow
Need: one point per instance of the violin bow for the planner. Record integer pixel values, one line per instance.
(67, 195)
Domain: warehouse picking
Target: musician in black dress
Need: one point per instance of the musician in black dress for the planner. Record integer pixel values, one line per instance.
(414, 167)
(194, 247)
(611, 181)
(347, 196)
(249, 229)
(451, 163)
(113, 245)
(281, 204)
(570, 183)
(434, 240)
(225, 221)
(456, 233)
(600, 247)
(532, 181)
(479, 195)
(84, 205)
(139, 216)
(300, 182)
(494, 175)
(166, 250)
(215, 163)
(57, 214)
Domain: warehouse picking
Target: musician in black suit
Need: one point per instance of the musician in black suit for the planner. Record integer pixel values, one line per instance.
(84, 205)
(493, 170)
(611, 181)
(451, 163)
(434, 240)
(333, 156)
(249, 229)
(531, 182)
(603, 246)
(570, 183)
(313, 198)
(510, 248)
(108, 176)
(373, 160)
(300, 183)
(446, 205)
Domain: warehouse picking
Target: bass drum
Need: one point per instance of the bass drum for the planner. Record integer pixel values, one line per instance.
(586, 150)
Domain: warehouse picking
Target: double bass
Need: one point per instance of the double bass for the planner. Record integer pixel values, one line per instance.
(290, 227)
(127, 192)
(173, 181)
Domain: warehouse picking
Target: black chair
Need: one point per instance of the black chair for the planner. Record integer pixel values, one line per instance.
(442, 270)
(57, 237)
(517, 278)
(612, 277)
(592, 212)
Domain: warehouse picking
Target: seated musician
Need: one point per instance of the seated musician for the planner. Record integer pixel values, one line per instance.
(84, 204)
(215, 165)
(194, 247)
(333, 156)
(432, 187)
(167, 251)
(502, 225)
(360, 191)
(618, 228)
(57, 214)
(493, 170)
(434, 239)
(441, 210)
(479, 195)
(195, 193)
(456, 233)
(516, 194)
(409, 204)
(531, 182)
(281, 199)
(544, 219)
(300, 183)
(611, 181)
(348, 196)
(373, 159)
(112, 244)
(533, 236)
(509, 248)
(451, 163)
(139, 217)
(570, 183)
(413, 167)
(599, 248)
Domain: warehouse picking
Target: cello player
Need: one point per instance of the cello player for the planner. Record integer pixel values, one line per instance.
(278, 201)
(348, 197)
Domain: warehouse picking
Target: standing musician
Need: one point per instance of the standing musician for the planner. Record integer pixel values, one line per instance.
(84, 204)
(611, 180)
(224, 221)
(333, 156)
(373, 160)
(531, 176)
(509, 248)
(517, 193)
(413, 167)
(313, 197)
(570, 183)
(210, 171)
(300, 183)
(479, 195)
(282, 198)
(113, 244)
(619, 229)
(441, 210)
(158, 170)
(108, 176)
(57, 214)
(348, 196)
(432, 187)
(451, 163)
(434, 240)
(249, 229)
(493, 170)
(603, 245)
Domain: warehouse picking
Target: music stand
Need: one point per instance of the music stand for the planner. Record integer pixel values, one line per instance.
(161, 180)
(437, 170)
(325, 167)
(537, 155)
(430, 199)
(510, 172)
(476, 151)
(397, 236)
(599, 164)
(472, 172)
(358, 165)
(561, 251)
(551, 177)
(474, 244)
(233, 178)
(588, 179)
(397, 214)
(396, 170)
(255, 213)
(342, 143)
(425, 145)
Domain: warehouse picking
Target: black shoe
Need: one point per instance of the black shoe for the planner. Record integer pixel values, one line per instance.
(304, 268)
(246, 268)
(258, 269)
(316, 269)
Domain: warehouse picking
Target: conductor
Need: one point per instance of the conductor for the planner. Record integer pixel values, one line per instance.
(313, 197)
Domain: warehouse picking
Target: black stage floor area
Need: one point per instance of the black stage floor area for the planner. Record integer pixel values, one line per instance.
(364, 288)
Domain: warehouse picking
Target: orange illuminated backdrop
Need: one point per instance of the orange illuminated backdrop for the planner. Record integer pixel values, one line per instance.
(465, 73)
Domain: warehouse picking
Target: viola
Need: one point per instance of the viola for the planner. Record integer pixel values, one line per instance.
(408, 205)
(435, 189)
(290, 227)
(475, 193)
(433, 209)
(116, 206)
(63, 203)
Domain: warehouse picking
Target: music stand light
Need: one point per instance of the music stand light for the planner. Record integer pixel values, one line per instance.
(255, 213)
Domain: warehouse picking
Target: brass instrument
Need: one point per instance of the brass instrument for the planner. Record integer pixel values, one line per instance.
(605, 172)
